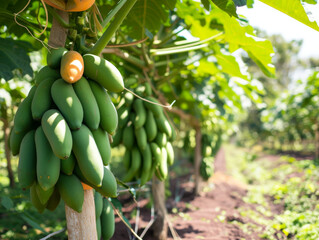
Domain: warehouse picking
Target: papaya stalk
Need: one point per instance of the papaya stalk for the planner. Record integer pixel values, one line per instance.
(115, 24)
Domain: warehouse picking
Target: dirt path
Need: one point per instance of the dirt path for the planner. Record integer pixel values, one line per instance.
(214, 215)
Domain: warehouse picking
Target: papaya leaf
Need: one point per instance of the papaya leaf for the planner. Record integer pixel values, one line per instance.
(13, 56)
(226, 5)
(7, 202)
(32, 222)
(294, 9)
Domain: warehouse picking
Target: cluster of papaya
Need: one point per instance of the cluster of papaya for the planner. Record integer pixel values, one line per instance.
(146, 135)
(104, 213)
(61, 130)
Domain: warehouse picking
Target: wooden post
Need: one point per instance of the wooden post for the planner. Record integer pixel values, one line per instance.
(81, 226)
(197, 159)
(160, 224)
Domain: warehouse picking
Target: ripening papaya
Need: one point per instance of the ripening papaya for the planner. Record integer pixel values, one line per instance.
(103, 72)
(68, 103)
(72, 66)
(71, 5)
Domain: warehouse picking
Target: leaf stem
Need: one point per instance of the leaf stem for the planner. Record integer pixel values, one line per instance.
(115, 24)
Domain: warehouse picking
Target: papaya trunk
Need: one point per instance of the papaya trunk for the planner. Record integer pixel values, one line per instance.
(159, 226)
(197, 160)
(82, 225)
(58, 33)
(6, 131)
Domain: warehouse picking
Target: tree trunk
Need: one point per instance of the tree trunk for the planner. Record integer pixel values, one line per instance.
(197, 160)
(58, 34)
(6, 132)
(82, 226)
(160, 224)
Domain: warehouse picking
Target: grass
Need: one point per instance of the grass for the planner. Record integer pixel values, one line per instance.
(289, 182)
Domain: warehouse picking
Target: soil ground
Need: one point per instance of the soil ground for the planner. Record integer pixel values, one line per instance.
(210, 215)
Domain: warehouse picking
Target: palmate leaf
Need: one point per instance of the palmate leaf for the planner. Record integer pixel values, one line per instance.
(147, 16)
(226, 5)
(294, 9)
(13, 56)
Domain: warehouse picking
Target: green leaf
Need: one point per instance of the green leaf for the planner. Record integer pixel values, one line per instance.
(310, 1)
(147, 17)
(294, 9)
(13, 55)
(206, 4)
(7, 202)
(240, 3)
(226, 5)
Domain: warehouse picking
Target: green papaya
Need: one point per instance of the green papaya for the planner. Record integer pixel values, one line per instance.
(54, 57)
(98, 202)
(54, 200)
(35, 199)
(153, 106)
(162, 167)
(170, 153)
(107, 220)
(140, 111)
(44, 73)
(48, 165)
(71, 191)
(127, 159)
(109, 185)
(103, 143)
(44, 196)
(129, 97)
(91, 111)
(87, 155)
(123, 115)
(117, 138)
(15, 141)
(147, 164)
(108, 113)
(67, 165)
(128, 137)
(23, 120)
(27, 161)
(98, 228)
(58, 133)
(141, 138)
(68, 103)
(161, 139)
(163, 125)
(136, 162)
(130, 81)
(150, 126)
(103, 72)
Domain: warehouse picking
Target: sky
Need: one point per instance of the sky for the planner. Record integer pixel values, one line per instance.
(273, 21)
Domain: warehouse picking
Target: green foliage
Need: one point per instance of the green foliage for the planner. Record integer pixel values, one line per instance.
(13, 55)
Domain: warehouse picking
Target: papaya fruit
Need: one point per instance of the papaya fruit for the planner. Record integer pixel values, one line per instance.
(107, 220)
(67, 165)
(54, 200)
(54, 57)
(27, 161)
(68, 103)
(152, 106)
(170, 153)
(42, 99)
(48, 165)
(91, 111)
(129, 97)
(108, 113)
(71, 5)
(35, 199)
(58, 133)
(163, 125)
(123, 115)
(72, 66)
(141, 138)
(98, 201)
(87, 155)
(147, 164)
(43, 196)
(136, 162)
(156, 154)
(103, 72)
(71, 191)
(102, 141)
(140, 111)
(128, 137)
(161, 139)
(117, 138)
(150, 126)
(44, 73)
(23, 120)
(127, 159)
(162, 167)
(109, 185)
(15, 141)
(98, 227)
